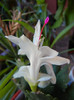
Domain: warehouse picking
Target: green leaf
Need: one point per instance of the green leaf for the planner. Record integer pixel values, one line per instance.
(69, 94)
(4, 58)
(8, 88)
(10, 93)
(63, 78)
(69, 16)
(10, 61)
(66, 51)
(58, 13)
(1, 81)
(39, 96)
(48, 90)
(56, 69)
(7, 44)
(5, 8)
(40, 1)
(22, 84)
(4, 81)
(61, 34)
(2, 49)
(58, 22)
(60, 9)
(5, 70)
(27, 26)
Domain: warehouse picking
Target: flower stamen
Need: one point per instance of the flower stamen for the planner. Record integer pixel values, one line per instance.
(46, 21)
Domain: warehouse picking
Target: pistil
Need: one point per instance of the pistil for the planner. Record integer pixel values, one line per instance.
(46, 21)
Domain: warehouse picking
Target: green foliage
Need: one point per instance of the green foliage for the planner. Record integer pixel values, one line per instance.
(63, 78)
(66, 50)
(40, 1)
(56, 69)
(60, 9)
(59, 16)
(5, 8)
(38, 96)
(27, 26)
(6, 43)
(6, 78)
(69, 94)
(69, 16)
(2, 72)
(7, 87)
(7, 91)
(62, 33)
(22, 84)
(58, 22)
(4, 58)
(62, 12)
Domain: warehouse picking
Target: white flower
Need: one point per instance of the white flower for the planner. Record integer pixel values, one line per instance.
(71, 75)
(37, 56)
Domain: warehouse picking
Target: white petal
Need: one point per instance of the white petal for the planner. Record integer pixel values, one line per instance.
(51, 74)
(13, 39)
(56, 60)
(44, 77)
(22, 72)
(25, 43)
(18, 74)
(46, 51)
(26, 46)
(43, 84)
(41, 42)
(50, 71)
(21, 52)
(71, 74)
(37, 33)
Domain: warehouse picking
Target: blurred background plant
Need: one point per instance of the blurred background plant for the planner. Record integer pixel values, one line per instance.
(19, 17)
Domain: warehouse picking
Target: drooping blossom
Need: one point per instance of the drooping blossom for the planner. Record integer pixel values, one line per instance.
(38, 56)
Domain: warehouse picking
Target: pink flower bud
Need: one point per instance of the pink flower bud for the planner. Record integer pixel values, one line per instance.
(46, 20)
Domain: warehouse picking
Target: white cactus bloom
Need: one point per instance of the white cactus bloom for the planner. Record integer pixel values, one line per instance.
(37, 56)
